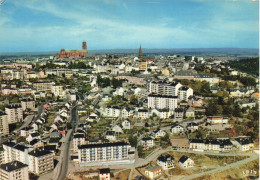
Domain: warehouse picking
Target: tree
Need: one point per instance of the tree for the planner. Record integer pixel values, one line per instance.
(132, 140)
(133, 100)
(140, 151)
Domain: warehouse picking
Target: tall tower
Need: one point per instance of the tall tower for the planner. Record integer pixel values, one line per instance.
(84, 45)
(140, 55)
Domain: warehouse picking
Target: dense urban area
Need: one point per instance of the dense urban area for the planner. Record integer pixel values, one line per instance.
(74, 115)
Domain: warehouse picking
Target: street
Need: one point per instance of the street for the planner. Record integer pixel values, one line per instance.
(65, 150)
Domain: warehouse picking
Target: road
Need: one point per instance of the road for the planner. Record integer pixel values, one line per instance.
(65, 151)
(232, 165)
(156, 153)
(31, 118)
(26, 122)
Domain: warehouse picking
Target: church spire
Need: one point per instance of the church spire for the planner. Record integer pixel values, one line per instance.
(140, 55)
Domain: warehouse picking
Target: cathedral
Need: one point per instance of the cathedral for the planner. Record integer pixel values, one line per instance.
(71, 53)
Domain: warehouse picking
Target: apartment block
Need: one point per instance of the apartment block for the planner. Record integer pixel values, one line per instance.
(15, 152)
(43, 86)
(14, 170)
(162, 101)
(14, 113)
(103, 152)
(185, 93)
(28, 103)
(57, 90)
(4, 128)
(78, 139)
(164, 88)
(41, 161)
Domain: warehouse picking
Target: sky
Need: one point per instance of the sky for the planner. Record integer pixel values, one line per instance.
(50, 25)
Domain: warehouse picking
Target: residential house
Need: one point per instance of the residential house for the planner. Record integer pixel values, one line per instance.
(153, 172)
(117, 129)
(191, 127)
(111, 135)
(185, 162)
(142, 113)
(162, 113)
(158, 133)
(147, 142)
(190, 112)
(177, 129)
(104, 174)
(195, 101)
(166, 161)
(126, 124)
(178, 114)
(127, 112)
(33, 136)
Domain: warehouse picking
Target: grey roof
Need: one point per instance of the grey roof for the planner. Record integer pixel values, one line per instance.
(12, 166)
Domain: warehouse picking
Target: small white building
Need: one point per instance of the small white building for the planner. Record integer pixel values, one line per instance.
(217, 120)
(177, 129)
(185, 162)
(166, 161)
(117, 129)
(126, 124)
(147, 142)
(158, 133)
(244, 143)
(104, 174)
(153, 172)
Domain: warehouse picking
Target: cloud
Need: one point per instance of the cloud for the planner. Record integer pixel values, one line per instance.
(104, 29)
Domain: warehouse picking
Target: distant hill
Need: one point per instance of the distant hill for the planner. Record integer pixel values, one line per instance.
(250, 66)
(182, 51)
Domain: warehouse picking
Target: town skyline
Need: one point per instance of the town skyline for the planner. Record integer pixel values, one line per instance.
(28, 27)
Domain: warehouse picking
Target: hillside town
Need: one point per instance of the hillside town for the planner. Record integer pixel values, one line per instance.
(74, 115)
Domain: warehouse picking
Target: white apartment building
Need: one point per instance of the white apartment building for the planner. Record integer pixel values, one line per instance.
(185, 93)
(111, 111)
(244, 143)
(219, 145)
(14, 113)
(117, 151)
(164, 88)
(57, 90)
(43, 86)
(4, 128)
(41, 161)
(14, 170)
(78, 139)
(28, 104)
(162, 102)
(15, 152)
(142, 113)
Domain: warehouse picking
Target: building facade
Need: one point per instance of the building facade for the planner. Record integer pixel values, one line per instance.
(103, 152)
